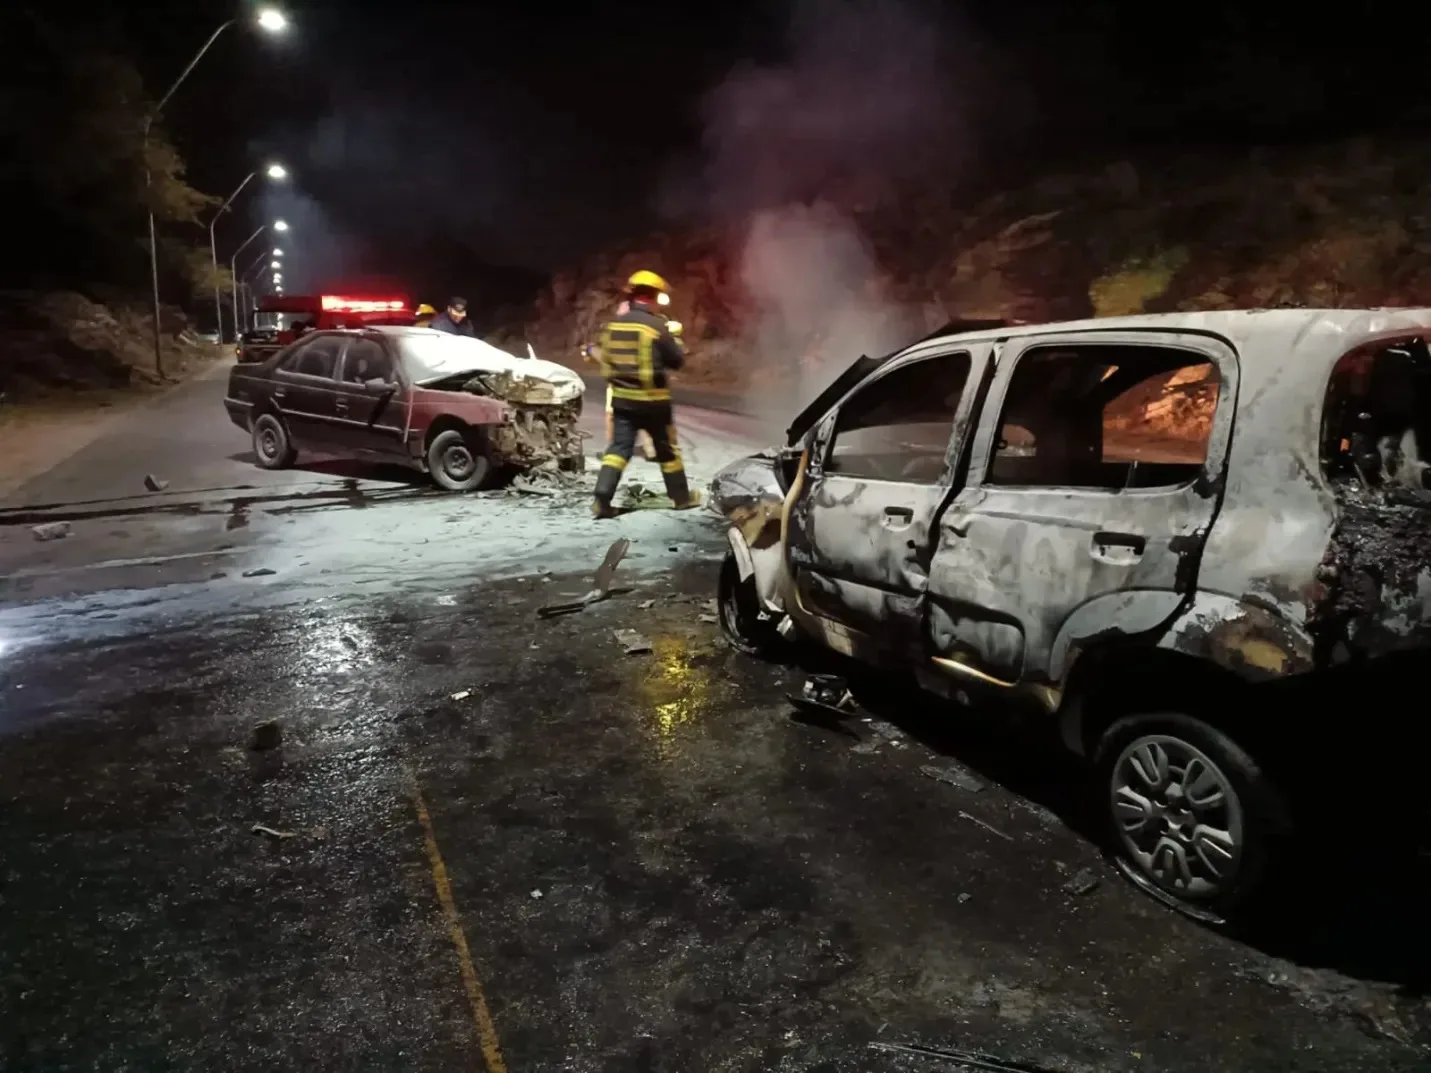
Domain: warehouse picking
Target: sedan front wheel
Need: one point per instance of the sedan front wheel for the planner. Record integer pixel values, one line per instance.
(457, 462)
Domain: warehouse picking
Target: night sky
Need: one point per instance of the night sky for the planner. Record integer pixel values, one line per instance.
(432, 144)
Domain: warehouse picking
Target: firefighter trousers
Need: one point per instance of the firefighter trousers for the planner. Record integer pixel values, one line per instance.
(627, 420)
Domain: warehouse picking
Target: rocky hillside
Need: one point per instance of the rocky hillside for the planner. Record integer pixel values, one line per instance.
(62, 342)
(1334, 225)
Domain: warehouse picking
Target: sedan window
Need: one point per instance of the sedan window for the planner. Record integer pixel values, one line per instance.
(364, 360)
(318, 357)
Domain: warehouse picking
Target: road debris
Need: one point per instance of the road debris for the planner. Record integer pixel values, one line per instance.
(1083, 881)
(462, 694)
(537, 895)
(952, 775)
(646, 605)
(825, 701)
(964, 897)
(601, 583)
(50, 530)
(986, 826)
(266, 736)
(154, 484)
(272, 832)
(262, 571)
(977, 1060)
(707, 619)
(633, 643)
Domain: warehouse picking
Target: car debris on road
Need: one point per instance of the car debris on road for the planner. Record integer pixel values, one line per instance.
(51, 530)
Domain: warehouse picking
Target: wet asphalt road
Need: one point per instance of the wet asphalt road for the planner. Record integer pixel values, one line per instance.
(498, 842)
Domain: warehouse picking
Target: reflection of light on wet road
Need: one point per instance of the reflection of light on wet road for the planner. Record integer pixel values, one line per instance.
(336, 644)
(676, 689)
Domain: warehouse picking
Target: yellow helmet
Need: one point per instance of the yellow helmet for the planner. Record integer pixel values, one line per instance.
(426, 310)
(645, 278)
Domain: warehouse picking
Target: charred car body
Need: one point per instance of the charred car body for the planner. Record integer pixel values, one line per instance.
(456, 407)
(1129, 526)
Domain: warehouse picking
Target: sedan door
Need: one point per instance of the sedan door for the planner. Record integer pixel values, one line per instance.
(371, 405)
(861, 520)
(1094, 479)
(305, 392)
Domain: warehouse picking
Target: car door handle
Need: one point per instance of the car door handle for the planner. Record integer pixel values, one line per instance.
(341, 406)
(1118, 547)
(897, 517)
(278, 393)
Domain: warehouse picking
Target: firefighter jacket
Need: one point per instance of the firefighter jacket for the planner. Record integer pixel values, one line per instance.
(636, 352)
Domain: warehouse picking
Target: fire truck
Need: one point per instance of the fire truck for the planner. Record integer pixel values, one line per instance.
(306, 313)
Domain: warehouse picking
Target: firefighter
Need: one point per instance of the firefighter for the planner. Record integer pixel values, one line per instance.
(637, 351)
(425, 313)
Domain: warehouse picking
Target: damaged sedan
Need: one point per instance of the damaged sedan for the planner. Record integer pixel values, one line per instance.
(455, 407)
(1140, 530)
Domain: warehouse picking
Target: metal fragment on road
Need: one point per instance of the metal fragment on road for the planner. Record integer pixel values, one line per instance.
(1083, 881)
(976, 1060)
(262, 571)
(154, 484)
(462, 694)
(272, 832)
(953, 776)
(707, 618)
(601, 583)
(633, 643)
(50, 530)
(646, 605)
(986, 826)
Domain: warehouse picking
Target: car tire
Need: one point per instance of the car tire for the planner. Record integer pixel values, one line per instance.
(739, 609)
(1191, 818)
(272, 446)
(458, 461)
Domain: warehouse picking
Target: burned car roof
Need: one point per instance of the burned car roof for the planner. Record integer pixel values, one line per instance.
(430, 357)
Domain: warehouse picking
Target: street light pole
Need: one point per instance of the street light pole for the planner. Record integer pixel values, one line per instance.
(233, 268)
(149, 190)
(273, 171)
(214, 256)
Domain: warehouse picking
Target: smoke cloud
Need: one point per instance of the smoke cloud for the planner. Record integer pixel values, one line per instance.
(863, 102)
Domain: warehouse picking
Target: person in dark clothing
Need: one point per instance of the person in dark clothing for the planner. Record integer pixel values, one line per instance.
(453, 320)
(637, 350)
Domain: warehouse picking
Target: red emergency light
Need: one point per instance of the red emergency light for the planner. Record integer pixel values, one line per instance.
(333, 303)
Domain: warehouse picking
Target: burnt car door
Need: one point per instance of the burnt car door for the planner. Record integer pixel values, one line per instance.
(370, 405)
(305, 392)
(861, 518)
(1096, 473)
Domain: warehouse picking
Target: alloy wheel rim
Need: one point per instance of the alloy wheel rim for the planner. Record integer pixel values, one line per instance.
(1178, 816)
(268, 442)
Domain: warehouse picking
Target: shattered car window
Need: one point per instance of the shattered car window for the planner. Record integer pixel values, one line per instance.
(1105, 416)
(898, 427)
(1377, 422)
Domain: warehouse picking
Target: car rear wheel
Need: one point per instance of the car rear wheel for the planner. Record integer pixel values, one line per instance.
(741, 619)
(1192, 819)
(271, 444)
(457, 461)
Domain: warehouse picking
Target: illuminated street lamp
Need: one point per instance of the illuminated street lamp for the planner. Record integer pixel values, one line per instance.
(277, 252)
(270, 20)
(276, 172)
(278, 225)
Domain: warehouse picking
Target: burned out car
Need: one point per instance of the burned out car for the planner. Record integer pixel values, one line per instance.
(456, 407)
(1139, 529)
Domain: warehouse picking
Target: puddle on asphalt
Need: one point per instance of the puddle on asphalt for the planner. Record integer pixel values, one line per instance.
(678, 691)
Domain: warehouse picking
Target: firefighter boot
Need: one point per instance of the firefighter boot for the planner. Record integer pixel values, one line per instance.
(601, 496)
(676, 487)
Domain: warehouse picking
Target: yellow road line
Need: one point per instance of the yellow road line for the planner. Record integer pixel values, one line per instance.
(476, 997)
